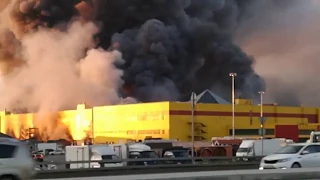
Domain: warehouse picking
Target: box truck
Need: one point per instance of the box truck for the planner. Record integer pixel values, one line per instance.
(261, 147)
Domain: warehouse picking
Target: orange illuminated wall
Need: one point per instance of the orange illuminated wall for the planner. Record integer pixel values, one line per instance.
(15, 124)
(167, 120)
(79, 121)
(131, 121)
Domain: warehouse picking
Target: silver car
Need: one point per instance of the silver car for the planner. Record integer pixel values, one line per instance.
(15, 160)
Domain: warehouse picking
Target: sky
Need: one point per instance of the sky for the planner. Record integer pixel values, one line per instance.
(286, 48)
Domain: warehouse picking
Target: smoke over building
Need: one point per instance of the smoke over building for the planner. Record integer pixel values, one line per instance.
(55, 54)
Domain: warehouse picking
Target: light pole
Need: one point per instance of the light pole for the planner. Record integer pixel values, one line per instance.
(261, 119)
(233, 75)
(193, 104)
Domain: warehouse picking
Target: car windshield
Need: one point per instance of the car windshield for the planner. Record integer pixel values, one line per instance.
(109, 157)
(243, 150)
(180, 154)
(148, 154)
(289, 150)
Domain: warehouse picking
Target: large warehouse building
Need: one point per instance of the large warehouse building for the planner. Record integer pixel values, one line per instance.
(171, 120)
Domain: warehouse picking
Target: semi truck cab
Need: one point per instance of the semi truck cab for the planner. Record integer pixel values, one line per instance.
(246, 148)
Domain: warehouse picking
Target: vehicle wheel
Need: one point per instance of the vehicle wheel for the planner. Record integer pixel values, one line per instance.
(8, 177)
(296, 165)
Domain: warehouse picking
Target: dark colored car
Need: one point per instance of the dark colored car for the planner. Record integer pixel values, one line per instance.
(177, 152)
(144, 155)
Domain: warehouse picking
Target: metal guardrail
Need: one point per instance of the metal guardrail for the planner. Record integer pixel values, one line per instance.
(289, 174)
(201, 160)
(208, 164)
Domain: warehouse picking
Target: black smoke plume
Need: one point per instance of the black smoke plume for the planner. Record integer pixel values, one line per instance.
(170, 47)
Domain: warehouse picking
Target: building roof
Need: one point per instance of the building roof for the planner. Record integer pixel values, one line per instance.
(208, 96)
(5, 136)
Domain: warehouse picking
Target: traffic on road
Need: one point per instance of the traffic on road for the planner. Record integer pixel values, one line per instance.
(278, 153)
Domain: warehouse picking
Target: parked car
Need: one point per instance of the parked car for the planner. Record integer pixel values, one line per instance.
(57, 152)
(38, 157)
(293, 156)
(44, 152)
(47, 151)
(177, 152)
(15, 160)
(144, 155)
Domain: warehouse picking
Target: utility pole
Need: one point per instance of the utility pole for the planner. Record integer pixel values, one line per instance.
(233, 75)
(262, 119)
(193, 104)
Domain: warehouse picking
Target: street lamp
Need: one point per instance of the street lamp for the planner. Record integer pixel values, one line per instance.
(233, 75)
(262, 120)
(261, 103)
(193, 104)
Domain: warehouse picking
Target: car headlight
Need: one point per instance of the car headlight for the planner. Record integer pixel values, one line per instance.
(284, 160)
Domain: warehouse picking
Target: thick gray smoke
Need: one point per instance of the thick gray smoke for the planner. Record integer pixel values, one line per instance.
(49, 50)
(285, 45)
(50, 69)
(57, 74)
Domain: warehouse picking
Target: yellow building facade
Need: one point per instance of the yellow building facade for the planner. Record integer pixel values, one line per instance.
(215, 120)
(166, 120)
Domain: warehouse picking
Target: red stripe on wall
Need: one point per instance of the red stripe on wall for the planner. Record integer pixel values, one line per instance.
(312, 118)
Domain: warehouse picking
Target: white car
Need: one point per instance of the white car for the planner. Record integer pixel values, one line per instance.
(15, 160)
(293, 156)
(57, 152)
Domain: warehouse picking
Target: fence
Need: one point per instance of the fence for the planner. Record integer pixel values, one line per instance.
(145, 161)
(141, 166)
(291, 174)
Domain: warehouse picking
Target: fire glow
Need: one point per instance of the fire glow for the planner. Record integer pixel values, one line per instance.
(25, 126)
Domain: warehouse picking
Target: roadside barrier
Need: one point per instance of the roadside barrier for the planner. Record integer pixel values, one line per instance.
(143, 166)
(288, 174)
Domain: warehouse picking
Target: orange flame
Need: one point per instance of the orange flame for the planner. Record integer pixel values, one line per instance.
(72, 125)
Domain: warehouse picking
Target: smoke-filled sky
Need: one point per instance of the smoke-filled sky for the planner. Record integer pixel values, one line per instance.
(57, 53)
(286, 47)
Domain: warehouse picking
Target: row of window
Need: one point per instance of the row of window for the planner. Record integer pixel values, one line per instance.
(254, 132)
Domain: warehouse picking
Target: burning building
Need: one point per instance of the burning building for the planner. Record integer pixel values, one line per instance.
(70, 125)
(56, 54)
(165, 120)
